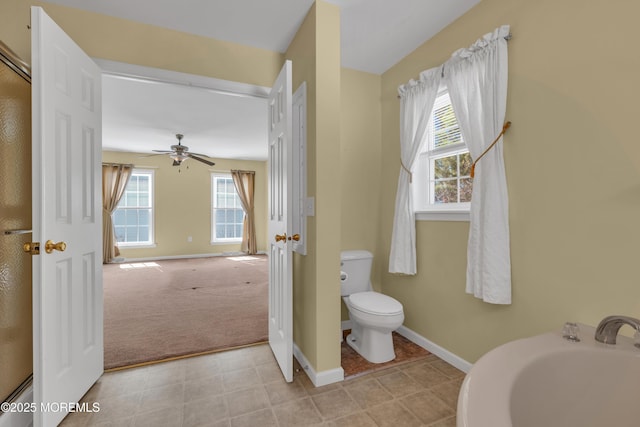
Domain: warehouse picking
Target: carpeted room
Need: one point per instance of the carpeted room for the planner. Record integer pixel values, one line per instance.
(173, 298)
(159, 310)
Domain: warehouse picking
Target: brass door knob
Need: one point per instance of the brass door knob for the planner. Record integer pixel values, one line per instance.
(281, 237)
(295, 237)
(51, 246)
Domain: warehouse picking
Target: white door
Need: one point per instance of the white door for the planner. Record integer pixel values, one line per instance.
(67, 200)
(280, 247)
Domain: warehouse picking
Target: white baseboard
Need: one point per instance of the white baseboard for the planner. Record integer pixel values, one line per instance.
(434, 348)
(19, 419)
(161, 258)
(317, 378)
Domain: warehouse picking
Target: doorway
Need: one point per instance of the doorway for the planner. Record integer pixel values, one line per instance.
(182, 200)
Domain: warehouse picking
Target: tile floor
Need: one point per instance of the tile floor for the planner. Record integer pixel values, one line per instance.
(244, 387)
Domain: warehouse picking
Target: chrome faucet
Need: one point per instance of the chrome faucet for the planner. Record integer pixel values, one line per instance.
(608, 328)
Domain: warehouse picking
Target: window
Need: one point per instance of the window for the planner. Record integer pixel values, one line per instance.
(227, 215)
(442, 181)
(133, 218)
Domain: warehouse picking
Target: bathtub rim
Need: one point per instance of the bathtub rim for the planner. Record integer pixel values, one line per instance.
(485, 394)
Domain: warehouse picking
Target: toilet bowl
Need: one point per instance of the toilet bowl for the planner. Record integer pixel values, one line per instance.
(374, 316)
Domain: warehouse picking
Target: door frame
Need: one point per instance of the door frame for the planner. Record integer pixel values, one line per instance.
(158, 75)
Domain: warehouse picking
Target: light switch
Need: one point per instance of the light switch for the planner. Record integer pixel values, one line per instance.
(310, 206)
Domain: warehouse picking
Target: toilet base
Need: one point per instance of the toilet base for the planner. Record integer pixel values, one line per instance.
(373, 345)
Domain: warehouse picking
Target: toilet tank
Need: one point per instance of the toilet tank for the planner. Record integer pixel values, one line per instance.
(355, 272)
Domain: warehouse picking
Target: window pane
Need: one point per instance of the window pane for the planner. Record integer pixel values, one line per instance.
(143, 217)
(219, 231)
(143, 183)
(131, 199)
(132, 217)
(143, 234)
(465, 164)
(131, 234)
(445, 126)
(445, 167)
(118, 217)
(466, 185)
(119, 234)
(446, 192)
(132, 185)
(226, 218)
(143, 199)
(127, 218)
(239, 231)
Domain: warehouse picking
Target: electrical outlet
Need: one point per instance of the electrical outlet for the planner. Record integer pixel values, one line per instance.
(189, 239)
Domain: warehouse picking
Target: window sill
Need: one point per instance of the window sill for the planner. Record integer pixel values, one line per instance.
(226, 242)
(442, 216)
(136, 246)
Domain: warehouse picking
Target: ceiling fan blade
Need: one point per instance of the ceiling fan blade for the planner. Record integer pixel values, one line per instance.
(162, 151)
(200, 155)
(153, 155)
(206, 162)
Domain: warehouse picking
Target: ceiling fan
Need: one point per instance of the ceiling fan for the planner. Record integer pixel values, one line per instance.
(179, 153)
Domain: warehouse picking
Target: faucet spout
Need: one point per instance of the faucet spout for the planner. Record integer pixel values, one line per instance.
(608, 328)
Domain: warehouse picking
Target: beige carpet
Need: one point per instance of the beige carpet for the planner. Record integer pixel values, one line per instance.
(164, 309)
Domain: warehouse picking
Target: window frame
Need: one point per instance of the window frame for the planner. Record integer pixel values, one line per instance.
(224, 240)
(151, 242)
(423, 180)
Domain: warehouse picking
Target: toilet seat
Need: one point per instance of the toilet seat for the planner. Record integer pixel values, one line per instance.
(375, 303)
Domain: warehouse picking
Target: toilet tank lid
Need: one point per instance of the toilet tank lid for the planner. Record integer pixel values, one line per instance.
(359, 254)
(375, 303)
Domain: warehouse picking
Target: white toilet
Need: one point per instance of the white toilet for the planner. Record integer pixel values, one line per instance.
(373, 315)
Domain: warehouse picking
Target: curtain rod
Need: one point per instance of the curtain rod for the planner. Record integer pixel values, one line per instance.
(507, 38)
(118, 164)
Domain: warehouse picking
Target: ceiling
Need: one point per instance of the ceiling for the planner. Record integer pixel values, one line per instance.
(141, 116)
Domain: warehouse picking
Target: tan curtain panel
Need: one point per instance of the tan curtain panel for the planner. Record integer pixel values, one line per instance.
(244, 182)
(115, 178)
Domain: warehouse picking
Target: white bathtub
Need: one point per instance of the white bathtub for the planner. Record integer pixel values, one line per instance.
(547, 381)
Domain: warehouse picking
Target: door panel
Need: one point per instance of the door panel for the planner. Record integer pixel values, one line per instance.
(280, 200)
(66, 173)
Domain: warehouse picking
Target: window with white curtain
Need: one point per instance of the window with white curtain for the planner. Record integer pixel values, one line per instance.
(133, 218)
(227, 215)
(441, 178)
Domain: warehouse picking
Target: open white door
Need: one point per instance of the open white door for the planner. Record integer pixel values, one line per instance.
(67, 208)
(280, 200)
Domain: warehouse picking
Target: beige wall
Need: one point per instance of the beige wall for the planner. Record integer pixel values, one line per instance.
(182, 198)
(573, 170)
(360, 163)
(105, 37)
(315, 53)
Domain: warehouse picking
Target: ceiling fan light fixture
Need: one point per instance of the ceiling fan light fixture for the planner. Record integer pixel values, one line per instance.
(178, 157)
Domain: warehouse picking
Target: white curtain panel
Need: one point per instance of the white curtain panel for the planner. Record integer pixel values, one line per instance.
(477, 81)
(416, 102)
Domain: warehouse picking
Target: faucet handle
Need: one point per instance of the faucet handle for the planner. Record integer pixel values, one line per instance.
(571, 331)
